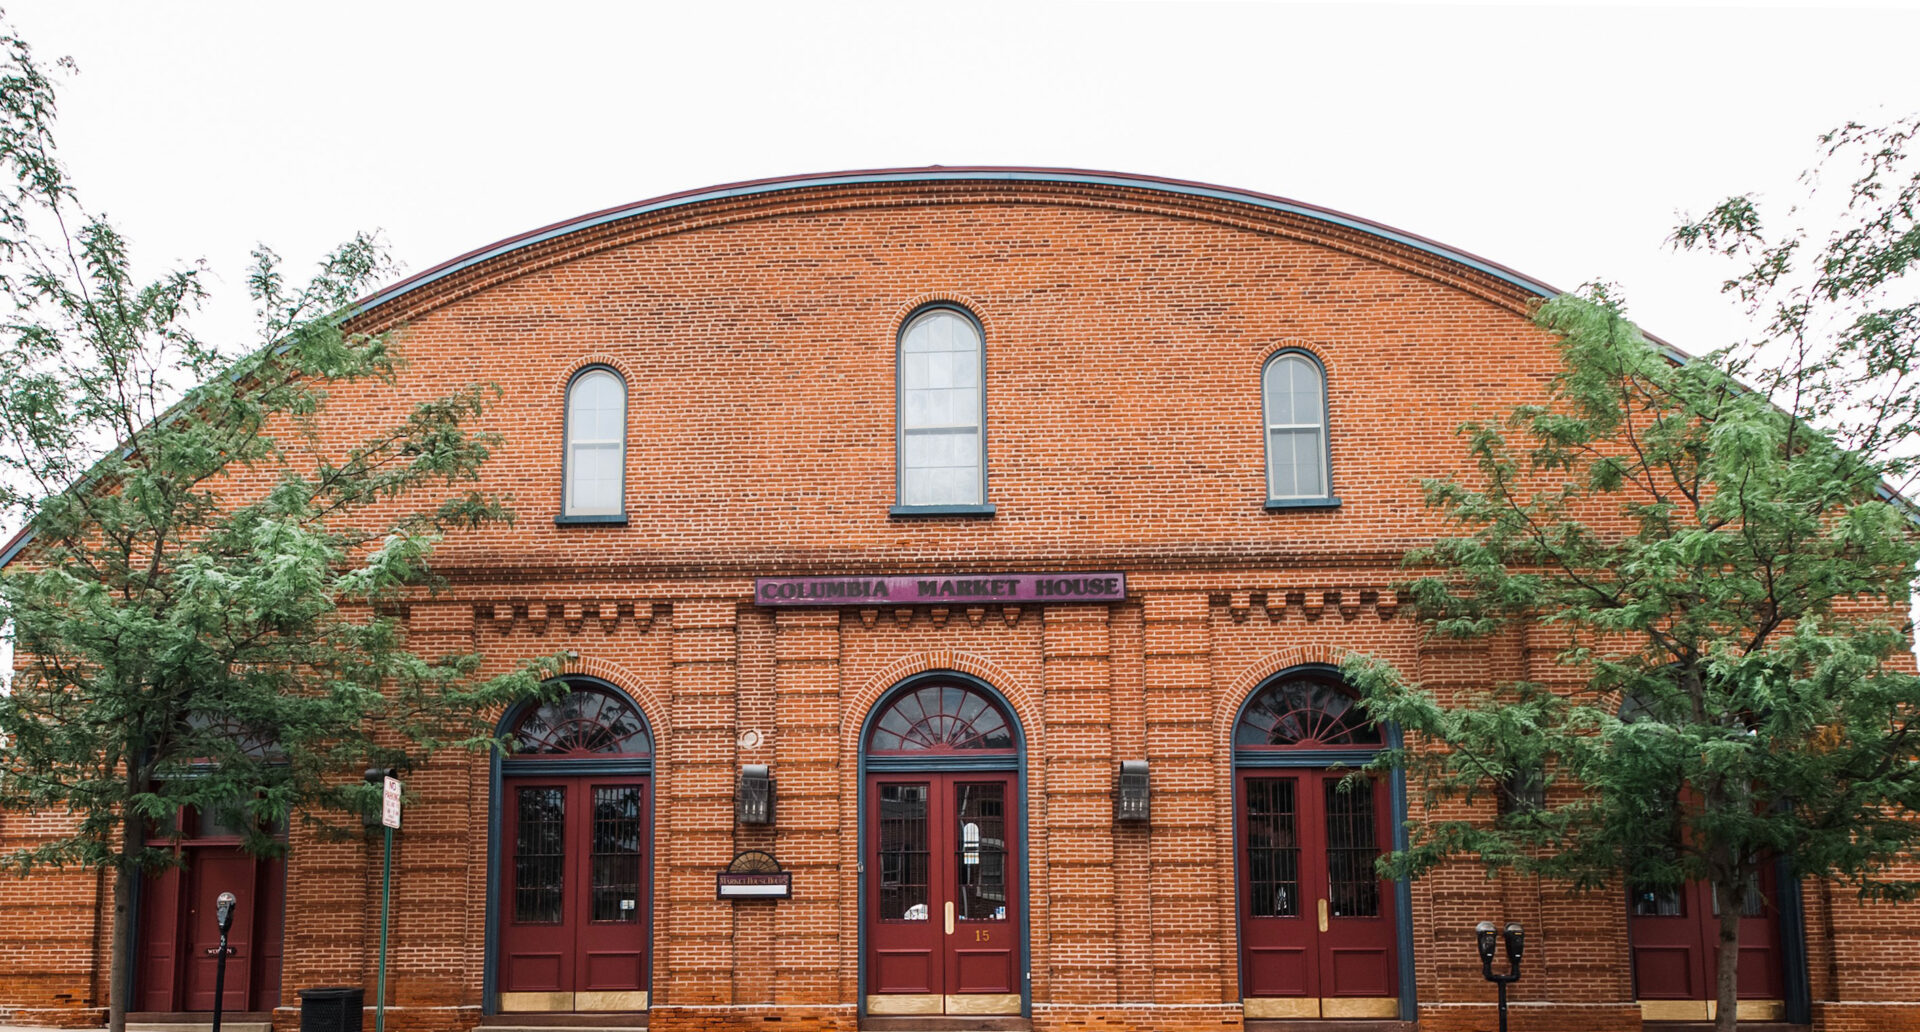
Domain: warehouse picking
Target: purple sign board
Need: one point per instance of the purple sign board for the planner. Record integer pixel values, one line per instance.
(940, 589)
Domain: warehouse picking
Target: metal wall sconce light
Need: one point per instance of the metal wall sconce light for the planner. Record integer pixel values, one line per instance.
(1131, 799)
(753, 795)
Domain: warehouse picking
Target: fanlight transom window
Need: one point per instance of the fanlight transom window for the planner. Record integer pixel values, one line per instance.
(1294, 396)
(944, 717)
(587, 721)
(1304, 710)
(942, 410)
(596, 444)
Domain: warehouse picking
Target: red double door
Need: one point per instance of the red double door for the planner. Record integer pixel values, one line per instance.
(574, 910)
(1317, 924)
(944, 895)
(179, 939)
(1676, 943)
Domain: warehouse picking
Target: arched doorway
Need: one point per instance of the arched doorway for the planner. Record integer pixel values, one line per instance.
(572, 901)
(943, 893)
(1320, 933)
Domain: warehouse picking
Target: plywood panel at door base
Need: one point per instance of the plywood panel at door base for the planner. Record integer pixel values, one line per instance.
(1279, 1007)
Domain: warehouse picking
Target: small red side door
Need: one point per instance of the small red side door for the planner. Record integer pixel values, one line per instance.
(1316, 921)
(1675, 940)
(214, 871)
(944, 895)
(180, 935)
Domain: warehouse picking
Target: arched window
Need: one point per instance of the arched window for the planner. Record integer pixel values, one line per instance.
(942, 413)
(587, 721)
(941, 717)
(1304, 709)
(1294, 391)
(596, 447)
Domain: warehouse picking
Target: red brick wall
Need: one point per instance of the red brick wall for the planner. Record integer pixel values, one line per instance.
(1125, 333)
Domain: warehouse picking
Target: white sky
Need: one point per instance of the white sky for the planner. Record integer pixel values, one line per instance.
(1560, 140)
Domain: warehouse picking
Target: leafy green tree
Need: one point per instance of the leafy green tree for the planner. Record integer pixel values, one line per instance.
(1713, 542)
(203, 611)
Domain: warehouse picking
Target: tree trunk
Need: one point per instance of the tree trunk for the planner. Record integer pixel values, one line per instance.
(1727, 971)
(132, 838)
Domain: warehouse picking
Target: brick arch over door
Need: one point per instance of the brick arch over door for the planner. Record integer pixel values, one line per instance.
(1012, 691)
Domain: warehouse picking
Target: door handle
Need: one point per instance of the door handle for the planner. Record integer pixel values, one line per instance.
(949, 917)
(1323, 915)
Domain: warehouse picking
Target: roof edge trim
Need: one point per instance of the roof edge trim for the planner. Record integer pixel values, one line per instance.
(936, 174)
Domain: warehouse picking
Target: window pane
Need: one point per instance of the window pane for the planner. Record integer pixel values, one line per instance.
(1353, 885)
(1279, 389)
(595, 408)
(1280, 464)
(1296, 460)
(966, 368)
(596, 478)
(940, 370)
(1273, 848)
(980, 870)
(1306, 463)
(940, 468)
(1306, 392)
(913, 371)
(1655, 902)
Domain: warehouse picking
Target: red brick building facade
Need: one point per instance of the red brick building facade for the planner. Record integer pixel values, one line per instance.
(1142, 458)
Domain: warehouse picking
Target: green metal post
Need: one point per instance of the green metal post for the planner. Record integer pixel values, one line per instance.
(386, 901)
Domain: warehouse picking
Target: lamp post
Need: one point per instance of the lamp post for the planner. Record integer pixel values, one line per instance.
(1486, 935)
(223, 919)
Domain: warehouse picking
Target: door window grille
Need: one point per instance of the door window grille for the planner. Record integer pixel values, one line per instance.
(539, 855)
(1273, 848)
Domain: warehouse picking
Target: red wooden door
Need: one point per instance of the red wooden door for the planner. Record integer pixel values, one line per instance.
(160, 942)
(1675, 935)
(1316, 922)
(944, 900)
(179, 936)
(214, 872)
(574, 912)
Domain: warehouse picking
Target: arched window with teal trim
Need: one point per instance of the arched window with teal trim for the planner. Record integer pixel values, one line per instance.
(1294, 403)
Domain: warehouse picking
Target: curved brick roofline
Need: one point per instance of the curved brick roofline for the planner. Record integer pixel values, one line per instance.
(937, 174)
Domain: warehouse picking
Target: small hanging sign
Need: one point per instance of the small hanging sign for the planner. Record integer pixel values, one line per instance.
(753, 874)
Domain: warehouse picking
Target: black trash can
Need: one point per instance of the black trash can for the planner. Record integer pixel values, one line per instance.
(332, 1008)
